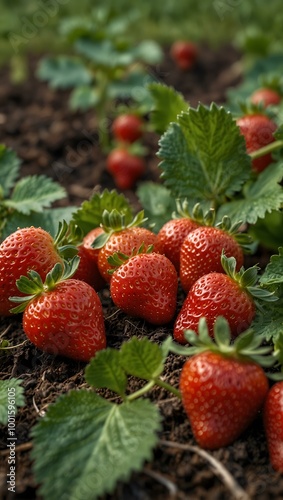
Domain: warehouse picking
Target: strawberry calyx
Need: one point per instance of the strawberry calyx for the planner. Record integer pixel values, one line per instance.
(247, 279)
(113, 222)
(246, 347)
(119, 258)
(197, 214)
(67, 238)
(32, 285)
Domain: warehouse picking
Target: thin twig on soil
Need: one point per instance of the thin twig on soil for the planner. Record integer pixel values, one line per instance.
(20, 447)
(236, 490)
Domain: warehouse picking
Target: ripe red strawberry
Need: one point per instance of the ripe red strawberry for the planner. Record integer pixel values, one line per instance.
(172, 234)
(257, 130)
(145, 286)
(25, 249)
(184, 54)
(126, 168)
(201, 251)
(128, 128)
(273, 423)
(88, 266)
(229, 295)
(121, 237)
(265, 96)
(222, 387)
(64, 316)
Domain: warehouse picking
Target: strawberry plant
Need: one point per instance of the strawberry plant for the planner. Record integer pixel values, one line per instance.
(106, 64)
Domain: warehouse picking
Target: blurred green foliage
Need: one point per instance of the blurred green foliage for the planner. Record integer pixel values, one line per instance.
(29, 25)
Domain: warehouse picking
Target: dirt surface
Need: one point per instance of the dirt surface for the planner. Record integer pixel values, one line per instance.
(37, 123)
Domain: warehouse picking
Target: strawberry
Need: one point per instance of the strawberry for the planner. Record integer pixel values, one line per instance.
(127, 127)
(62, 316)
(265, 96)
(201, 250)
(258, 130)
(25, 249)
(88, 266)
(145, 286)
(223, 386)
(184, 54)
(172, 234)
(125, 167)
(121, 237)
(231, 295)
(273, 424)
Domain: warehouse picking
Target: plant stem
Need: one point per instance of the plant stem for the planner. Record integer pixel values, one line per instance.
(149, 385)
(266, 149)
(168, 387)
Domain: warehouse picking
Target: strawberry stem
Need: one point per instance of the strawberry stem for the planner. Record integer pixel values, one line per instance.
(149, 385)
(266, 149)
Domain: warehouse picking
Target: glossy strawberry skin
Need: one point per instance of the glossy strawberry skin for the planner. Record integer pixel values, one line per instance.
(184, 54)
(125, 168)
(221, 397)
(212, 295)
(266, 97)
(26, 249)
(127, 128)
(201, 251)
(124, 241)
(258, 131)
(66, 321)
(146, 287)
(88, 266)
(171, 236)
(273, 423)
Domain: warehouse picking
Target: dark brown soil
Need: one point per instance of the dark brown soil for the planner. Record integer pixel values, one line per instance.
(37, 123)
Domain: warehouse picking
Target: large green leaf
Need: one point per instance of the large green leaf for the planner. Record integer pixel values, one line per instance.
(34, 192)
(63, 72)
(260, 197)
(105, 370)
(204, 156)
(85, 444)
(9, 169)
(11, 398)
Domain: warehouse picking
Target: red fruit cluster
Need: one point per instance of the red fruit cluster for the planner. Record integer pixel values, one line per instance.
(266, 97)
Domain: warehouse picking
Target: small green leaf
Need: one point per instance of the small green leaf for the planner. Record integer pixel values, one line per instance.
(260, 197)
(167, 105)
(11, 398)
(105, 370)
(84, 97)
(149, 52)
(142, 358)
(33, 193)
(104, 53)
(9, 169)
(89, 215)
(157, 202)
(273, 273)
(63, 72)
(204, 156)
(84, 445)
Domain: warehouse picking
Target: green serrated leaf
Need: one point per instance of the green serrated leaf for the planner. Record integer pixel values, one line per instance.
(47, 220)
(89, 444)
(9, 169)
(273, 273)
(11, 398)
(142, 358)
(167, 105)
(204, 156)
(33, 193)
(63, 72)
(89, 215)
(269, 323)
(105, 370)
(262, 196)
